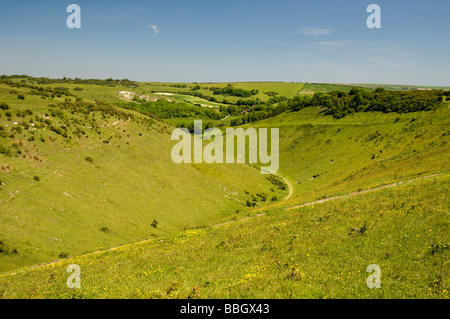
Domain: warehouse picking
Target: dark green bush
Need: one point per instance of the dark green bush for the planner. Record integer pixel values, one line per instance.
(105, 229)
(5, 151)
(5, 249)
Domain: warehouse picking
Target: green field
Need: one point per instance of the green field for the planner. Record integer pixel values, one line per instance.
(195, 100)
(282, 88)
(311, 88)
(402, 87)
(321, 251)
(65, 204)
(322, 156)
(77, 179)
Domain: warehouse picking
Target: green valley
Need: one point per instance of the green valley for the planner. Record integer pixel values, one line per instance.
(86, 178)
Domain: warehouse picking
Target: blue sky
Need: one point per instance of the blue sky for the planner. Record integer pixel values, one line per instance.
(229, 40)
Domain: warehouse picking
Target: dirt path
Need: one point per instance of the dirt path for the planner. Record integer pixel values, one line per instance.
(242, 219)
(361, 192)
(291, 189)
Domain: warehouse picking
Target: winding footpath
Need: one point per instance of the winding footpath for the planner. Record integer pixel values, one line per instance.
(360, 192)
(291, 189)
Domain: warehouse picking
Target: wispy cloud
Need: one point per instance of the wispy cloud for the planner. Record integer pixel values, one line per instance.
(154, 28)
(399, 52)
(330, 45)
(390, 61)
(313, 31)
(286, 43)
(326, 45)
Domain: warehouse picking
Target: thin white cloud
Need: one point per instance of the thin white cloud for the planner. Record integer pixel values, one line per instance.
(391, 62)
(313, 31)
(400, 53)
(326, 45)
(286, 43)
(154, 28)
(330, 45)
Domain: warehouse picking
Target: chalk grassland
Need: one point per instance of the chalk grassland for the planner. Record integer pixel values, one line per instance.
(110, 94)
(76, 180)
(323, 157)
(401, 87)
(282, 88)
(195, 100)
(319, 251)
(311, 88)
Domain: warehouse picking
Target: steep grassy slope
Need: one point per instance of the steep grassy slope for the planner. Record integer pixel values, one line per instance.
(107, 181)
(79, 177)
(323, 156)
(319, 251)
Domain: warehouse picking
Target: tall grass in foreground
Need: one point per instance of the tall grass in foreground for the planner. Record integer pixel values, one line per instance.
(319, 251)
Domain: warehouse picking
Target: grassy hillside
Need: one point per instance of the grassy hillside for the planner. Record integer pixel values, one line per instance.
(311, 88)
(324, 156)
(77, 177)
(319, 251)
(281, 88)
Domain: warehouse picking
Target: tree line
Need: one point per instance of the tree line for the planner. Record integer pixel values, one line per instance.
(339, 103)
(44, 80)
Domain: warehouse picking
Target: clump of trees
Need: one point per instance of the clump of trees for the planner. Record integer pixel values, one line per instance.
(340, 104)
(43, 80)
(277, 181)
(230, 90)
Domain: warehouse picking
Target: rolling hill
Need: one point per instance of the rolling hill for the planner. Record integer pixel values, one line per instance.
(367, 188)
(78, 177)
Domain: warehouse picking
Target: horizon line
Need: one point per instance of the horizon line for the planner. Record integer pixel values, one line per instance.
(246, 81)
